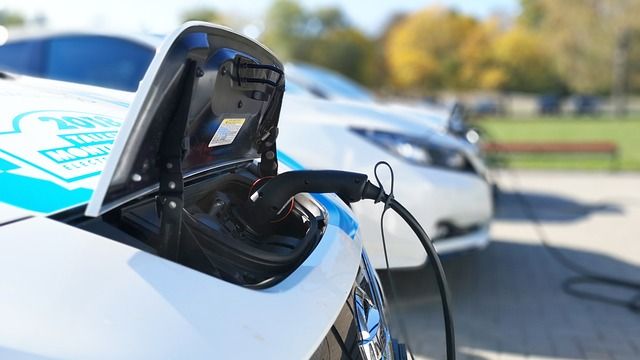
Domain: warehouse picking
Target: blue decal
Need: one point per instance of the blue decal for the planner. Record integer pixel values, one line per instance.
(35, 194)
(68, 145)
(288, 161)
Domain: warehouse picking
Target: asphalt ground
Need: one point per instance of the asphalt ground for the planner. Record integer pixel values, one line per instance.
(508, 298)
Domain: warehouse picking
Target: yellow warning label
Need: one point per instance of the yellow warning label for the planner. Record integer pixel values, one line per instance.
(227, 131)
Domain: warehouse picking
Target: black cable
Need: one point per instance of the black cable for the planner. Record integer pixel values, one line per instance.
(394, 292)
(445, 296)
(584, 275)
(436, 265)
(266, 202)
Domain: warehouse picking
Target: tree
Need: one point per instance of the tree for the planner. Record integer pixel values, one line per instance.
(437, 48)
(525, 60)
(9, 18)
(285, 30)
(323, 37)
(479, 67)
(532, 13)
(590, 40)
(212, 16)
(349, 52)
(202, 14)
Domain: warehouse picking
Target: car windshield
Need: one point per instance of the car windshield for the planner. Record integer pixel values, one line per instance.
(111, 61)
(295, 88)
(328, 83)
(98, 60)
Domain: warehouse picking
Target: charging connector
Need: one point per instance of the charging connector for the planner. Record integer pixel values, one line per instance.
(270, 200)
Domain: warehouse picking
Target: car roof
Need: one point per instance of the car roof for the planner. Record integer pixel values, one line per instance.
(21, 34)
(332, 84)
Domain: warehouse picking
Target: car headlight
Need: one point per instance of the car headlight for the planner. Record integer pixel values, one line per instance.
(417, 150)
(374, 338)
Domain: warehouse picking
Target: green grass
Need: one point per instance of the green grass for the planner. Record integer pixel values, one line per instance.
(625, 132)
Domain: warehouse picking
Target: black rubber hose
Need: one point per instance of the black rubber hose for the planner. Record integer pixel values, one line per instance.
(265, 203)
(436, 265)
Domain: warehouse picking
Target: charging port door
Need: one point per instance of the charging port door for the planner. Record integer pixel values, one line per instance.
(210, 98)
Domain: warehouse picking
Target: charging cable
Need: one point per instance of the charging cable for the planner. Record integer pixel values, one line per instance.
(584, 275)
(269, 201)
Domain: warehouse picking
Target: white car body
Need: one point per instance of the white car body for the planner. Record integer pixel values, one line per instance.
(319, 136)
(69, 293)
(437, 195)
(311, 78)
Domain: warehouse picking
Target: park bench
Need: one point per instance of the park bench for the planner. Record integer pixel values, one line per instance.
(578, 148)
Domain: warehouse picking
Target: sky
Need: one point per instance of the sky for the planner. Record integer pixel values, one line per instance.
(162, 16)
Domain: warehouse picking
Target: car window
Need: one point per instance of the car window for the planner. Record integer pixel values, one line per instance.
(98, 60)
(329, 84)
(293, 87)
(20, 57)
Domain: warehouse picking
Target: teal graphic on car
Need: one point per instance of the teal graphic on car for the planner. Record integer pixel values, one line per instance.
(35, 194)
(47, 157)
(70, 146)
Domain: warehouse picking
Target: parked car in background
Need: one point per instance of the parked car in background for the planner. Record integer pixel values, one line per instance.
(486, 106)
(586, 105)
(86, 209)
(330, 85)
(440, 179)
(549, 104)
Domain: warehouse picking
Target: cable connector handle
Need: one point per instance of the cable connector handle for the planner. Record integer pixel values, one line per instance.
(271, 197)
(269, 200)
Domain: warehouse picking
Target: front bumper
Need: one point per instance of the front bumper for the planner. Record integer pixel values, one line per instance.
(477, 239)
(434, 197)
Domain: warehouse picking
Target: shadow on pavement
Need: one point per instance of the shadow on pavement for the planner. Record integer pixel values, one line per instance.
(548, 207)
(508, 300)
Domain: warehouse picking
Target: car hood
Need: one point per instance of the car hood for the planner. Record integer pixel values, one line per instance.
(351, 114)
(300, 109)
(54, 141)
(71, 294)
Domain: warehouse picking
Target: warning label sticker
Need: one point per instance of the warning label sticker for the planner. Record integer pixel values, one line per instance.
(227, 132)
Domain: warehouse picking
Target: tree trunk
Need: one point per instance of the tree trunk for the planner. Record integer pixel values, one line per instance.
(620, 73)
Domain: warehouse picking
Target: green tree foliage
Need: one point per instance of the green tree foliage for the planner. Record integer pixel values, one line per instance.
(438, 48)
(527, 63)
(583, 35)
(553, 45)
(286, 28)
(532, 13)
(323, 37)
(423, 50)
(202, 14)
(348, 51)
(8, 18)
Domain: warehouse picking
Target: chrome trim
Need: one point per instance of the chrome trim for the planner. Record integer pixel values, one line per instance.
(374, 341)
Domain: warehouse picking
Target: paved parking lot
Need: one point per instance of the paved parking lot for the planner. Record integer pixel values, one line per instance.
(508, 300)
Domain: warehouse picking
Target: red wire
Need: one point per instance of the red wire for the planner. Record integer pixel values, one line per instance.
(285, 215)
(256, 182)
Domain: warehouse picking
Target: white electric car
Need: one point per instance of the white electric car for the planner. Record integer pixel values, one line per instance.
(117, 230)
(330, 85)
(443, 179)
